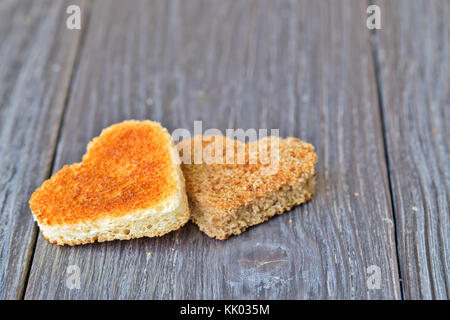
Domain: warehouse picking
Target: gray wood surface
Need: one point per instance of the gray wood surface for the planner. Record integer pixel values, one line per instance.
(37, 54)
(414, 64)
(305, 67)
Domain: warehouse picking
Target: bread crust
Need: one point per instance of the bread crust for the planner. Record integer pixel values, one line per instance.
(131, 167)
(87, 240)
(226, 199)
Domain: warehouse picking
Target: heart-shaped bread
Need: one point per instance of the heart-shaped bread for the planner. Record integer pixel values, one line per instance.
(228, 196)
(128, 185)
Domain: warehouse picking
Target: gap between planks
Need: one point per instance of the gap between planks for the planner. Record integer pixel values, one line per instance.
(378, 82)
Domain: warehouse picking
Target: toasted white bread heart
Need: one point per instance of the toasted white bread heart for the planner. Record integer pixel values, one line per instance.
(128, 185)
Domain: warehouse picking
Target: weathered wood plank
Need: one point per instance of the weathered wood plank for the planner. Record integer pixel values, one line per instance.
(414, 61)
(37, 54)
(237, 64)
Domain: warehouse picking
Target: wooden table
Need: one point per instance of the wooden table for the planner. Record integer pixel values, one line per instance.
(375, 103)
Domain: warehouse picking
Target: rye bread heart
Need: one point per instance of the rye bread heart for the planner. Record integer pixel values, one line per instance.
(226, 197)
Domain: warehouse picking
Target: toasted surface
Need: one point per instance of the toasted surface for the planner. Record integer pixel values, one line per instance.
(130, 168)
(226, 198)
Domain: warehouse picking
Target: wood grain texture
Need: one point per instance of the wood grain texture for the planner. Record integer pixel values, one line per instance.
(237, 64)
(414, 62)
(37, 54)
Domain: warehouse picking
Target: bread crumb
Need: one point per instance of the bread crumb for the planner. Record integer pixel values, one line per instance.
(356, 194)
(149, 254)
(415, 208)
